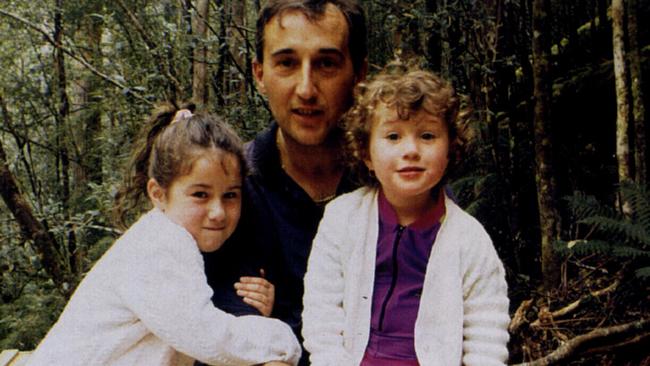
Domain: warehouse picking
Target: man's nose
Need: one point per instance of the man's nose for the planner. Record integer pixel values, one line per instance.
(306, 88)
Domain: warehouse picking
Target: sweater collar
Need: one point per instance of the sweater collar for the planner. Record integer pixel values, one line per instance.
(434, 215)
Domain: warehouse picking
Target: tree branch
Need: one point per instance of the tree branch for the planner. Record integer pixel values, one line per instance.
(153, 47)
(74, 56)
(597, 341)
(573, 306)
(31, 228)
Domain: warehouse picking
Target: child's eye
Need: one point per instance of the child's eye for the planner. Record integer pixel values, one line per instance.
(394, 136)
(200, 194)
(428, 136)
(231, 195)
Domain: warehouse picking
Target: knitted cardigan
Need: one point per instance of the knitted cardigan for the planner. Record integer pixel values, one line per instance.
(463, 314)
(147, 300)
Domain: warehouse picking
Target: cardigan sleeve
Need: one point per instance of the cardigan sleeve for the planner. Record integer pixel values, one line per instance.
(485, 305)
(323, 316)
(166, 289)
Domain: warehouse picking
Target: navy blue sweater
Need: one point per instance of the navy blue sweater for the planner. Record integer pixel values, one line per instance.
(278, 224)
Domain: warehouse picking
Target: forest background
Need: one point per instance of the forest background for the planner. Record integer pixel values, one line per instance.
(557, 171)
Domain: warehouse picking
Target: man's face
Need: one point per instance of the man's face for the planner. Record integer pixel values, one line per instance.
(307, 73)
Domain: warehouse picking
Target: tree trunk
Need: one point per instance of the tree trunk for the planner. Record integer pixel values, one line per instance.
(199, 65)
(32, 229)
(237, 43)
(546, 187)
(61, 118)
(86, 88)
(218, 80)
(163, 61)
(638, 108)
(445, 46)
(622, 106)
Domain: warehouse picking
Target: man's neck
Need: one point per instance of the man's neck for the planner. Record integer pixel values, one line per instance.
(316, 169)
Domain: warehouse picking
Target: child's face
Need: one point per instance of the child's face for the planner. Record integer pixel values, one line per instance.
(207, 200)
(408, 157)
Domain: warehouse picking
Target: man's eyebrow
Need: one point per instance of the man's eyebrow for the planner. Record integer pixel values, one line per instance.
(325, 51)
(332, 50)
(283, 51)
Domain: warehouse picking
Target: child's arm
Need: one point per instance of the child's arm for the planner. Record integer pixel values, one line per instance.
(323, 315)
(485, 334)
(257, 292)
(166, 289)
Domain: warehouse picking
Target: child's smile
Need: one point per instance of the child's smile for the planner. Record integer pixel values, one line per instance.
(207, 200)
(409, 157)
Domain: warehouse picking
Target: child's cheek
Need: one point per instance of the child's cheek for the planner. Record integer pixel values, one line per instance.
(190, 217)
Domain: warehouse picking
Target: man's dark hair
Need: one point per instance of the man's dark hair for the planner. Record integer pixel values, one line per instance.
(315, 9)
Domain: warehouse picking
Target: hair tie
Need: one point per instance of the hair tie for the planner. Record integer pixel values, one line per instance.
(181, 114)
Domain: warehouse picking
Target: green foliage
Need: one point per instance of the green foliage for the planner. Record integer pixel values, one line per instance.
(605, 231)
(29, 301)
(26, 319)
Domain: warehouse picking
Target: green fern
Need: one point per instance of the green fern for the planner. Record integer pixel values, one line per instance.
(609, 232)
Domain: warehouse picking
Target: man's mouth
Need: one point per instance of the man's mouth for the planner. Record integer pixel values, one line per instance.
(307, 112)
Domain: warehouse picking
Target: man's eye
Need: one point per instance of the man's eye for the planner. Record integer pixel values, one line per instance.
(286, 63)
(327, 63)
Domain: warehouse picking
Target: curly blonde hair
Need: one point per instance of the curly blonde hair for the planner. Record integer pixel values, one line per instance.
(408, 90)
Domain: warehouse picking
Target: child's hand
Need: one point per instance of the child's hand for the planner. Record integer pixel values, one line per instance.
(257, 292)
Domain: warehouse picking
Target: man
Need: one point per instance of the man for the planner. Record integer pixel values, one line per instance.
(309, 57)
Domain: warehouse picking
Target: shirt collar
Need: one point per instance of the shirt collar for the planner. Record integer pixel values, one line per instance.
(431, 217)
(264, 158)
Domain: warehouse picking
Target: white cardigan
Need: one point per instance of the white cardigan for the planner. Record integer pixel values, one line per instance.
(147, 300)
(463, 314)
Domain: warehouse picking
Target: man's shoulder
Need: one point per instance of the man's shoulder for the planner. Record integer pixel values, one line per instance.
(261, 145)
(350, 202)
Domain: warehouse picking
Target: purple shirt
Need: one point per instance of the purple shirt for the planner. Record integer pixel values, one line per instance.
(402, 257)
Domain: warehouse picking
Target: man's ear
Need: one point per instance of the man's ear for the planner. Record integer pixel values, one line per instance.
(157, 194)
(258, 73)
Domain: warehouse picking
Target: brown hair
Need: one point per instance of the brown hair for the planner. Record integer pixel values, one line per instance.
(408, 90)
(166, 150)
(315, 9)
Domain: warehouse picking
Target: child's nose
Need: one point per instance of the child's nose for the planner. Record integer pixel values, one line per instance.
(409, 148)
(216, 211)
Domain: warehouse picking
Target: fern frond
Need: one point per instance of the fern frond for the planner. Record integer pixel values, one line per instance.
(618, 230)
(477, 206)
(584, 247)
(582, 205)
(624, 251)
(643, 273)
(611, 233)
(639, 199)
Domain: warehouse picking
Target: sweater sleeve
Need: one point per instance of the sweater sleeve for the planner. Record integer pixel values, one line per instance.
(166, 289)
(323, 315)
(485, 320)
